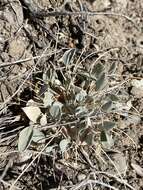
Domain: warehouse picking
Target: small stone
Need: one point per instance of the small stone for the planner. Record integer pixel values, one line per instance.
(16, 48)
(137, 92)
(81, 177)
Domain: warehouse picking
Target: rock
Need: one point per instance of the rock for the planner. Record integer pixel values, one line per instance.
(5, 56)
(100, 5)
(11, 19)
(120, 162)
(138, 169)
(137, 89)
(137, 92)
(133, 119)
(81, 177)
(17, 48)
(14, 14)
(122, 4)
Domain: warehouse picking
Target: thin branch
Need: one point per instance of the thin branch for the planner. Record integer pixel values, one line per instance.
(25, 60)
(8, 184)
(87, 182)
(41, 14)
(115, 177)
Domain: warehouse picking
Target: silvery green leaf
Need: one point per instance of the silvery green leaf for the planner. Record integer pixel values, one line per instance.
(68, 56)
(48, 99)
(38, 136)
(81, 96)
(64, 144)
(89, 99)
(44, 77)
(25, 138)
(107, 106)
(49, 149)
(43, 120)
(101, 82)
(81, 110)
(112, 68)
(98, 70)
(106, 140)
(57, 82)
(55, 110)
(114, 97)
(88, 122)
(76, 89)
(47, 75)
(53, 77)
(103, 136)
(87, 136)
(42, 90)
(107, 125)
(32, 112)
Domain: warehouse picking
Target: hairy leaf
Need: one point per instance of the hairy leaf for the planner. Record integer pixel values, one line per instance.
(107, 106)
(114, 97)
(55, 110)
(38, 136)
(106, 140)
(48, 99)
(64, 144)
(81, 96)
(25, 138)
(112, 68)
(80, 111)
(32, 112)
(106, 125)
(103, 136)
(68, 56)
(98, 70)
(43, 120)
(87, 136)
(101, 82)
(49, 148)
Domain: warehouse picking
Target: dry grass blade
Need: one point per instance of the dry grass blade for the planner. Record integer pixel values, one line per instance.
(42, 14)
(26, 60)
(8, 184)
(93, 182)
(116, 178)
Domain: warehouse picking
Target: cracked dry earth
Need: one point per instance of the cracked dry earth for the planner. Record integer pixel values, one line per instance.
(24, 36)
